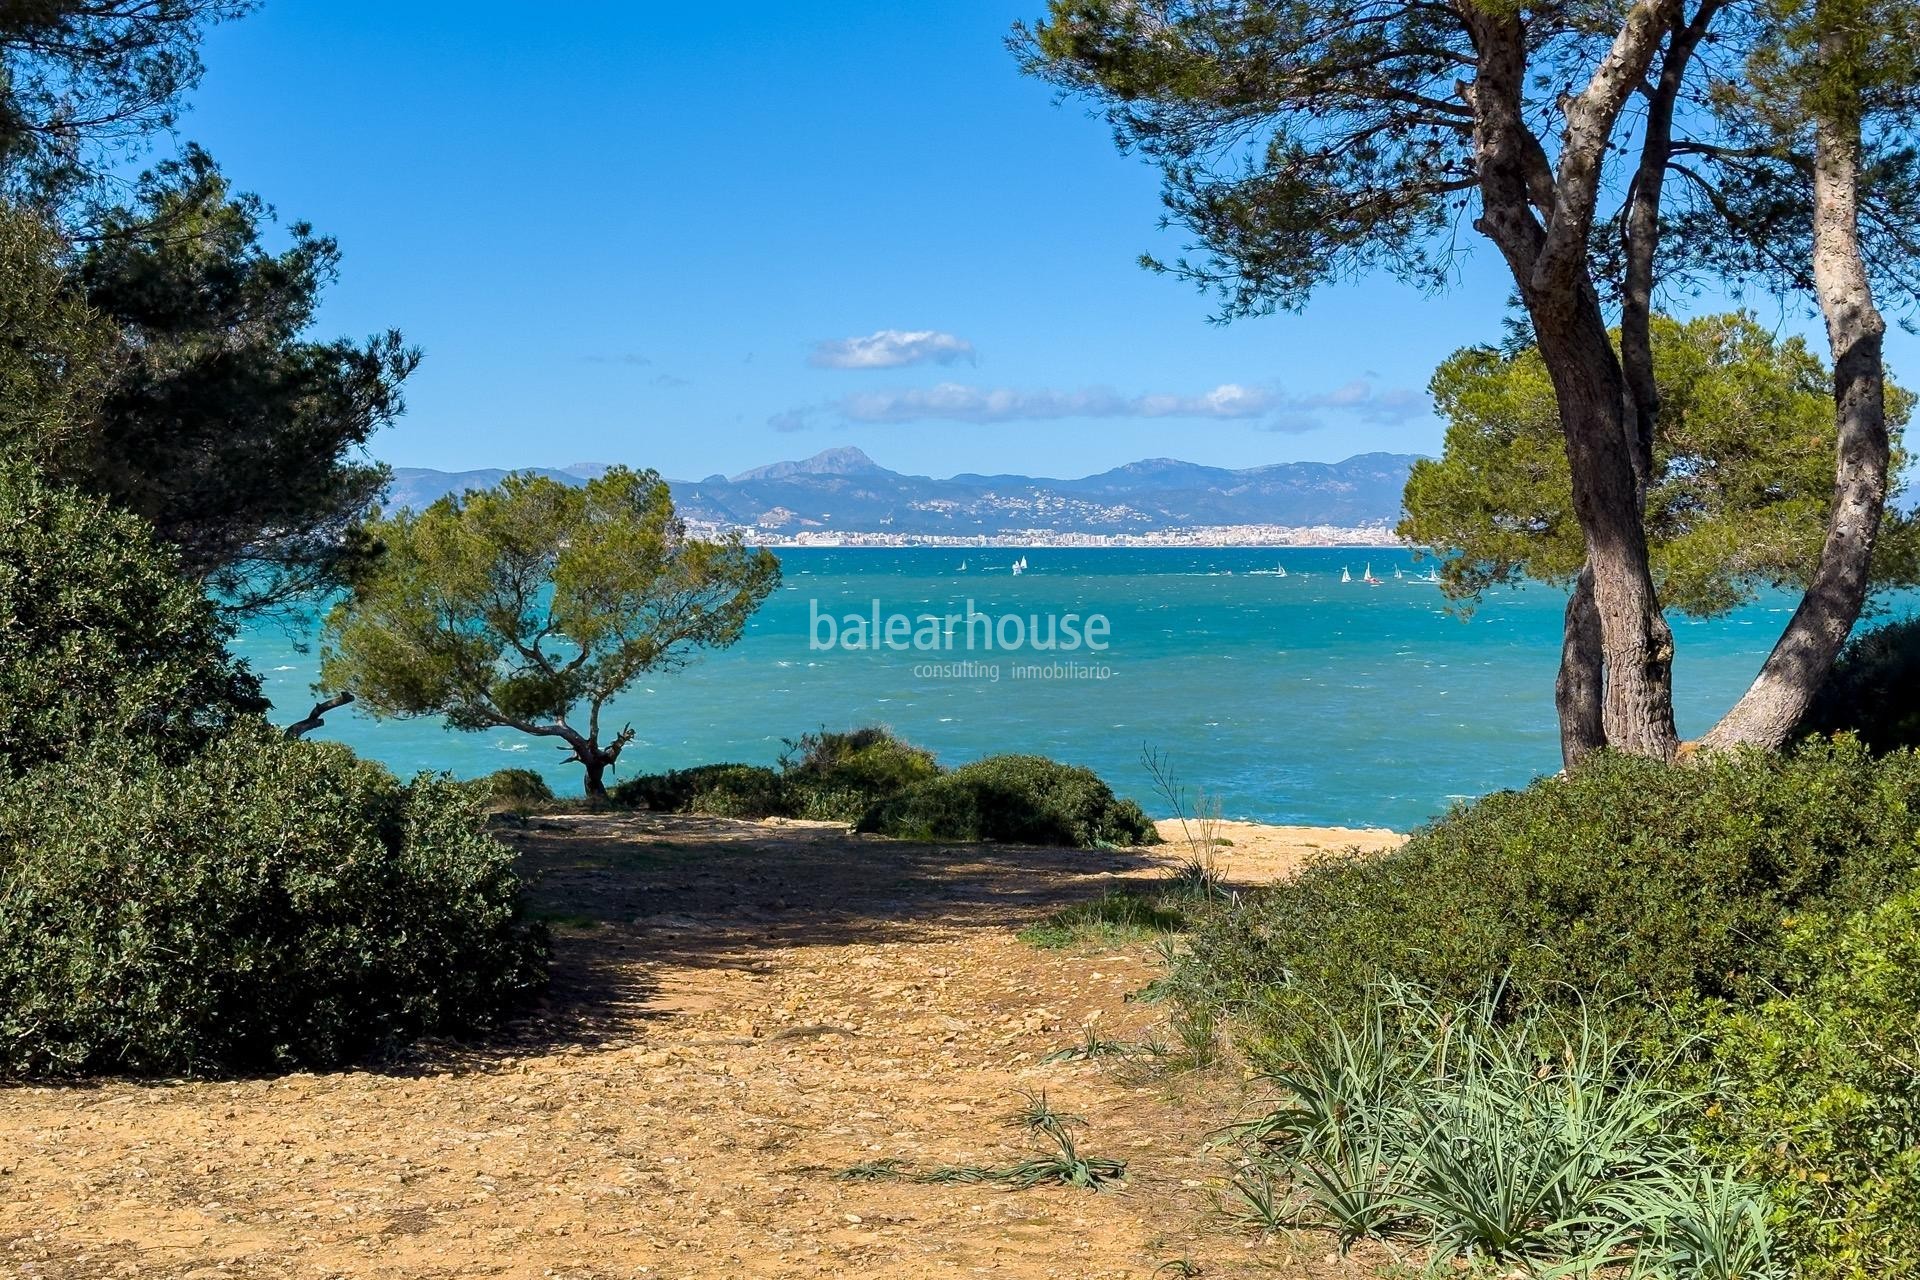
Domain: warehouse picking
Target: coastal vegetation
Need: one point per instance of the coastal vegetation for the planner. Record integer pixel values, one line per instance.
(267, 904)
(220, 420)
(1637, 889)
(1737, 499)
(880, 784)
(531, 605)
(183, 890)
(1721, 951)
(108, 648)
(1302, 144)
(1874, 692)
(1649, 1017)
(1024, 799)
(512, 789)
(1653, 1017)
(206, 896)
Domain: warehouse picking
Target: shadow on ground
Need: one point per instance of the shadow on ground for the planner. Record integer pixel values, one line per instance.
(626, 894)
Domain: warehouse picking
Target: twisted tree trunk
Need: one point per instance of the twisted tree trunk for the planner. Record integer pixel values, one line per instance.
(1636, 704)
(1803, 658)
(1540, 213)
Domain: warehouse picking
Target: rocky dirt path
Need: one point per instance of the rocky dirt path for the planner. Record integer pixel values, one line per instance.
(739, 1012)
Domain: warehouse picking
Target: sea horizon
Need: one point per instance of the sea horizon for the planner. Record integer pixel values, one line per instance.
(1286, 699)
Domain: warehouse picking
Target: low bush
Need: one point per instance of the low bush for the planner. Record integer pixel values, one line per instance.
(267, 904)
(1874, 690)
(882, 784)
(838, 777)
(105, 646)
(1631, 883)
(1821, 1092)
(512, 788)
(1021, 799)
(720, 790)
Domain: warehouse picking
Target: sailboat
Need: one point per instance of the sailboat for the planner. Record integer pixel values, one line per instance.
(1368, 577)
(1397, 574)
(1279, 571)
(963, 566)
(1020, 566)
(1344, 575)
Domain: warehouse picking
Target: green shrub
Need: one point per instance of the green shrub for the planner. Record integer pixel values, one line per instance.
(1874, 690)
(1822, 1092)
(1119, 916)
(1629, 883)
(1022, 799)
(872, 778)
(102, 641)
(264, 905)
(721, 790)
(838, 777)
(514, 788)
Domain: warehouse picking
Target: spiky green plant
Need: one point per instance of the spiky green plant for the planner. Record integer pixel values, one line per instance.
(1063, 1164)
(1091, 1047)
(1546, 1144)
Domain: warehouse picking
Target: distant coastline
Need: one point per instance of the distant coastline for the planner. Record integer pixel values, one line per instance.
(1247, 536)
(842, 498)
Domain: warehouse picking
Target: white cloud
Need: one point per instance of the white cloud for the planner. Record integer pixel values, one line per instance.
(1266, 407)
(953, 402)
(891, 349)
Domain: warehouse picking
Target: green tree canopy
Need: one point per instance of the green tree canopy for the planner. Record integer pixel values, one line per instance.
(84, 82)
(235, 434)
(1742, 481)
(159, 351)
(56, 354)
(531, 605)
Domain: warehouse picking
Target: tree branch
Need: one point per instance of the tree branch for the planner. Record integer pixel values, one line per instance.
(318, 716)
(1591, 116)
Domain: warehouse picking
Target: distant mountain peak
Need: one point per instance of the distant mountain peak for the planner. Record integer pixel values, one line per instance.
(845, 490)
(844, 461)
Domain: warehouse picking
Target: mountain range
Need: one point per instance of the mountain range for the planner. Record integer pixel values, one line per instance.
(844, 490)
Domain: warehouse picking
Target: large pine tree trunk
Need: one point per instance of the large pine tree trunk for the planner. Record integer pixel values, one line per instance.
(1540, 212)
(1637, 700)
(1803, 658)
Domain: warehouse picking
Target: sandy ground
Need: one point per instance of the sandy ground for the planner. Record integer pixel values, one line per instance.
(739, 1012)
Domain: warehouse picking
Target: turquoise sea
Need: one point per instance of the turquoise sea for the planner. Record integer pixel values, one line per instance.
(1291, 698)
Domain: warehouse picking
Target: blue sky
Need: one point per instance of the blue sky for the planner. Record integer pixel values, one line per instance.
(668, 235)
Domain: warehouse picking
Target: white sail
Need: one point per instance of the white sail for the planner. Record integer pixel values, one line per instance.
(1344, 575)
